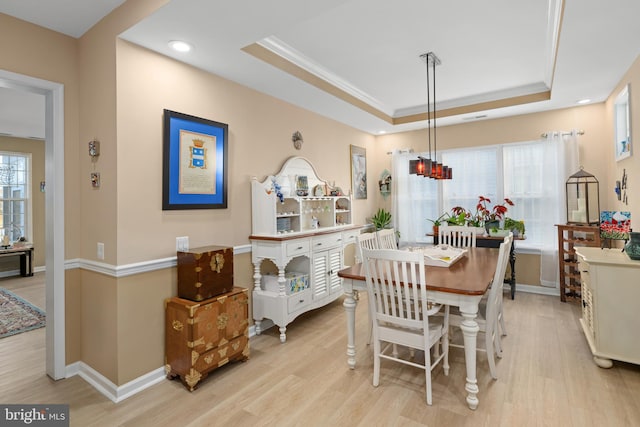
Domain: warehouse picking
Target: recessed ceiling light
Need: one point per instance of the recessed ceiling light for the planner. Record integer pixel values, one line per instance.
(584, 101)
(382, 132)
(179, 46)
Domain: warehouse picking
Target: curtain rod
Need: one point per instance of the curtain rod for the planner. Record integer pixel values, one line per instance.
(578, 132)
(402, 150)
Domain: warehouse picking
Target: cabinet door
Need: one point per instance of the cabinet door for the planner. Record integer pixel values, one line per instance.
(587, 304)
(326, 265)
(320, 276)
(335, 265)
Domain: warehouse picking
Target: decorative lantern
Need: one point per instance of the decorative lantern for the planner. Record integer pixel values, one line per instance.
(583, 200)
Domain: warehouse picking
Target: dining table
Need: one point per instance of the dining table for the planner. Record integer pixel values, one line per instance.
(461, 284)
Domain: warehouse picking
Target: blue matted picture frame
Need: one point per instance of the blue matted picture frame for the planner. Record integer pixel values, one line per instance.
(194, 163)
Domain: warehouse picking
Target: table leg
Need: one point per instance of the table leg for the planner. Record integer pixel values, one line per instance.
(512, 264)
(23, 264)
(470, 330)
(349, 305)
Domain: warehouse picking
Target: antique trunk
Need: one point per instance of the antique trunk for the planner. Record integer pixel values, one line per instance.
(202, 336)
(205, 272)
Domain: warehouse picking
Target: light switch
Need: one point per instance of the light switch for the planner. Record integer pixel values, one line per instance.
(182, 243)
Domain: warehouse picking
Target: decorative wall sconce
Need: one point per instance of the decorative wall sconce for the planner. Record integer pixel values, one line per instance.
(94, 152)
(94, 148)
(621, 188)
(624, 187)
(385, 183)
(297, 140)
(95, 179)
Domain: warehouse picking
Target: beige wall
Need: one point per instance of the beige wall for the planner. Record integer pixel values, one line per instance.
(631, 164)
(36, 149)
(260, 129)
(73, 315)
(98, 119)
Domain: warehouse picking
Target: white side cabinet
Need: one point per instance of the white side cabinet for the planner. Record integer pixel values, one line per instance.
(305, 234)
(610, 299)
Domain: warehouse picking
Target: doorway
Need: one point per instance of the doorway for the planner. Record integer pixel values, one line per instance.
(54, 207)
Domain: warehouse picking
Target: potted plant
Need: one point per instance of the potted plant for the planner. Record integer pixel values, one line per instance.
(459, 219)
(381, 219)
(483, 216)
(516, 227)
(438, 222)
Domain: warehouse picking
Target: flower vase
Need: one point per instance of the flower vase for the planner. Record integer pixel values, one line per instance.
(632, 248)
(491, 224)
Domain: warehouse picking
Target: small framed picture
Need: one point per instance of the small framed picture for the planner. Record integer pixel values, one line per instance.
(358, 172)
(302, 185)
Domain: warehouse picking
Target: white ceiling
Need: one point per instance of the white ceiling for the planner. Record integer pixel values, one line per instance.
(369, 50)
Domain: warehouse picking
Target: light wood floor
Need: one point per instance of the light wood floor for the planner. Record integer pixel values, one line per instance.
(546, 378)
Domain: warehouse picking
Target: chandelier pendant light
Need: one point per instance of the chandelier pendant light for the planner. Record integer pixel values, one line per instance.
(430, 167)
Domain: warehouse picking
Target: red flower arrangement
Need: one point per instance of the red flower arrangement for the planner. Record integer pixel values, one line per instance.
(483, 214)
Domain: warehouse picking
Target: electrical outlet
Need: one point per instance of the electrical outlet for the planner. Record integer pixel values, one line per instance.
(182, 243)
(100, 253)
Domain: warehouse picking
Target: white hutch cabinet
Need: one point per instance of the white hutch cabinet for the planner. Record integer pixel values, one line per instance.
(302, 228)
(610, 297)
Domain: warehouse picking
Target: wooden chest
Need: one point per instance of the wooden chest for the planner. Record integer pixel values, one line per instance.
(205, 272)
(202, 336)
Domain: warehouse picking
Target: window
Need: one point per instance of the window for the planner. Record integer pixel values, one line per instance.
(530, 174)
(475, 174)
(15, 203)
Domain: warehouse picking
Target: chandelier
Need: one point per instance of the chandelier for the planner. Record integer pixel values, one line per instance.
(429, 167)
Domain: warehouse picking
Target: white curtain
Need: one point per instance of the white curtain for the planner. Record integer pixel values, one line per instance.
(414, 200)
(399, 193)
(561, 157)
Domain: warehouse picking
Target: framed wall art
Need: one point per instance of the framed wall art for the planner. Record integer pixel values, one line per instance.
(615, 225)
(358, 172)
(622, 125)
(194, 163)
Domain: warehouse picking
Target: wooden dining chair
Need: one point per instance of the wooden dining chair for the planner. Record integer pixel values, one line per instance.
(458, 236)
(487, 317)
(402, 314)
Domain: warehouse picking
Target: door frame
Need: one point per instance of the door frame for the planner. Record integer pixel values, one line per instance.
(54, 213)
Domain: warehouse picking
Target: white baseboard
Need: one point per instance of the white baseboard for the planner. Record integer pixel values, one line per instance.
(110, 390)
(119, 393)
(9, 273)
(531, 289)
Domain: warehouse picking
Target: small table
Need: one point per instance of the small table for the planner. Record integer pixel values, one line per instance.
(26, 257)
(494, 242)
